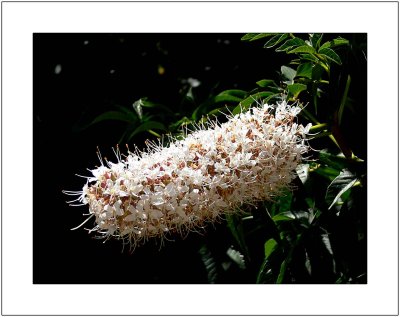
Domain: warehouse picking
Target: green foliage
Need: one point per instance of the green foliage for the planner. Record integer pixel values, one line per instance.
(316, 231)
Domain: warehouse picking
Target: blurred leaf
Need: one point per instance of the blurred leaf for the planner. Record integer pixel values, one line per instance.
(236, 257)
(296, 89)
(284, 216)
(304, 217)
(137, 106)
(303, 49)
(339, 185)
(289, 44)
(282, 272)
(265, 273)
(275, 40)
(234, 92)
(111, 115)
(145, 126)
(284, 201)
(327, 243)
(128, 111)
(266, 83)
(209, 263)
(269, 247)
(150, 104)
(288, 74)
(190, 96)
(330, 54)
(236, 227)
(271, 263)
(226, 98)
(305, 70)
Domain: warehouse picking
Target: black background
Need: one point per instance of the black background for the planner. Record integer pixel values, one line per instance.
(76, 78)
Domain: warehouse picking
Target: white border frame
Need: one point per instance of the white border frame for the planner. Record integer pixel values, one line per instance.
(378, 297)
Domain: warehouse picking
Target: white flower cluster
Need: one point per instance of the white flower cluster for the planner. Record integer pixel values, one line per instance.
(211, 172)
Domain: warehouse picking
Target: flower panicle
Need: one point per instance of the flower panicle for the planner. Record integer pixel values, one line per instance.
(213, 171)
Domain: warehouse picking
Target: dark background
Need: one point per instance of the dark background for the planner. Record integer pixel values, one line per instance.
(76, 78)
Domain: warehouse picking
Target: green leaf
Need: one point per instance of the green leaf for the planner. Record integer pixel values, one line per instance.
(248, 36)
(236, 257)
(275, 40)
(209, 263)
(309, 57)
(305, 70)
(255, 36)
(225, 98)
(285, 200)
(303, 49)
(296, 89)
(181, 122)
(332, 160)
(327, 172)
(316, 39)
(282, 272)
(145, 126)
(150, 104)
(234, 92)
(284, 216)
(289, 44)
(266, 83)
(112, 115)
(334, 43)
(274, 97)
(128, 111)
(246, 103)
(305, 217)
(235, 225)
(228, 96)
(288, 74)
(269, 247)
(302, 171)
(218, 111)
(317, 72)
(264, 272)
(330, 54)
(327, 243)
(343, 182)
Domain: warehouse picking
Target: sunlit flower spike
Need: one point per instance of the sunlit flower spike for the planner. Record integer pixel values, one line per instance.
(167, 191)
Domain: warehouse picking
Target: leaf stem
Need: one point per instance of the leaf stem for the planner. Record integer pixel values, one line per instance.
(344, 98)
(318, 127)
(314, 120)
(309, 115)
(321, 135)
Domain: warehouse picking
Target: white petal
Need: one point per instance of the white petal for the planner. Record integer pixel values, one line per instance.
(131, 217)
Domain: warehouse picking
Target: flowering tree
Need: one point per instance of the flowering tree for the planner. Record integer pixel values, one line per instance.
(252, 170)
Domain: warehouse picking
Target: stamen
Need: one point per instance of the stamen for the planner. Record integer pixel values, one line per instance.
(99, 156)
(83, 223)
